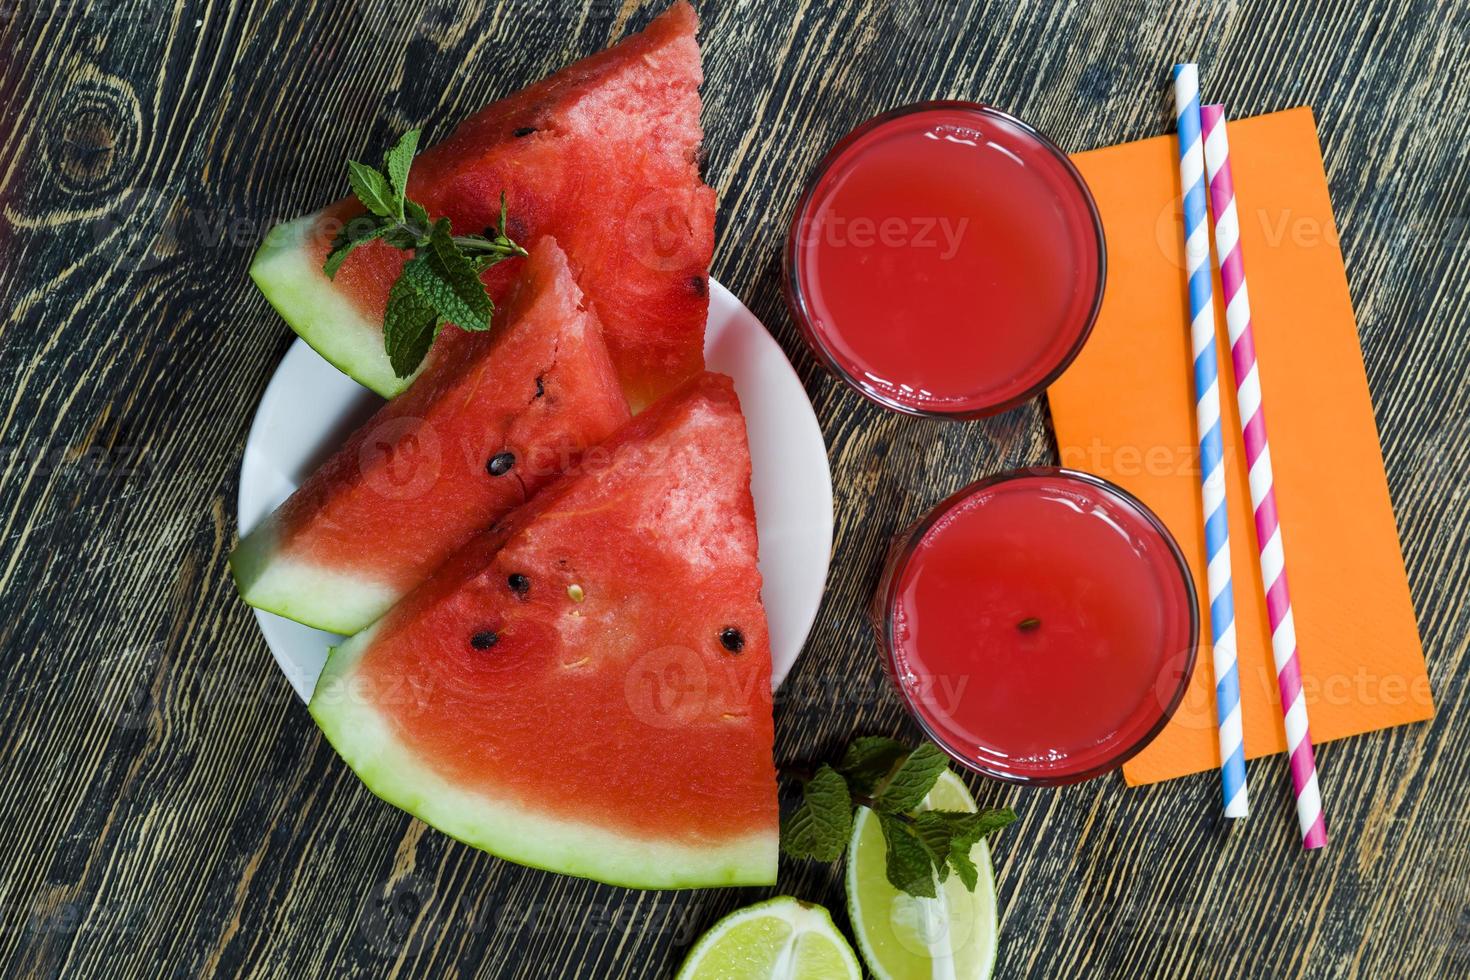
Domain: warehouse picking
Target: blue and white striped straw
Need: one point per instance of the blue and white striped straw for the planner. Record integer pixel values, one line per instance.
(1211, 447)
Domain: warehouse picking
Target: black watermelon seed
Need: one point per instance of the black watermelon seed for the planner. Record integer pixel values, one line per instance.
(524, 131)
(484, 640)
(540, 385)
(501, 463)
(519, 584)
(700, 287)
(732, 639)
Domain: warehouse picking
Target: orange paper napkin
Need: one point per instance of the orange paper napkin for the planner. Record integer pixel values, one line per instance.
(1125, 411)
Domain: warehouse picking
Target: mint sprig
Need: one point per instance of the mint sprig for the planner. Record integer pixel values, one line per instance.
(922, 847)
(441, 283)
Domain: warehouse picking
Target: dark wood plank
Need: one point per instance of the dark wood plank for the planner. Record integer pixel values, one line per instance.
(168, 808)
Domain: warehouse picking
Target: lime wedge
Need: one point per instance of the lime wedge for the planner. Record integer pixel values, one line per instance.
(949, 937)
(781, 939)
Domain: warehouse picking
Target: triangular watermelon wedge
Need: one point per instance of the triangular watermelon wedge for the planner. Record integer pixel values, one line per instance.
(587, 688)
(476, 435)
(601, 155)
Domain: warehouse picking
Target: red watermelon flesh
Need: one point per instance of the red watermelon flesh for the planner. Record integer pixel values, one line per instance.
(587, 687)
(473, 438)
(602, 155)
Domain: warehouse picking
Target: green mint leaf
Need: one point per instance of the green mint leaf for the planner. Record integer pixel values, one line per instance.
(410, 321)
(397, 162)
(372, 189)
(820, 827)
(975, 827)
(451, 282)
(908, 786)
(868, 761)
(358, 231)
(938, 828)
(417, 218)
(869, 749)
(944, 825)
(990, 821)
(981, 824)
(937, 834)
(910, 866)
(950, 835)
(959, 860)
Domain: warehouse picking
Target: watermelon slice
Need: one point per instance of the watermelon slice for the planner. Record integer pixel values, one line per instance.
(586, 688)
(475, 436)
(601, 155)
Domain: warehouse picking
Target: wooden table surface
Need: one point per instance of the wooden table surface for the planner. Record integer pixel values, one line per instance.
(168, 806)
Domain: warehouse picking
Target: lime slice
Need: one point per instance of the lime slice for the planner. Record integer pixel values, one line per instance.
(949, 937)
(781, 939)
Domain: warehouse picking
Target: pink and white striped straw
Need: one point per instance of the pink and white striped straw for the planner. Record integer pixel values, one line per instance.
(1271, 553)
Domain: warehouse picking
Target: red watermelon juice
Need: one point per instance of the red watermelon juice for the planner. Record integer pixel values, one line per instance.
(946, 260)
(1041, 625)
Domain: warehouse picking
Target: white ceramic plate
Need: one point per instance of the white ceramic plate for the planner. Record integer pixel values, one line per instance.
(310, 407)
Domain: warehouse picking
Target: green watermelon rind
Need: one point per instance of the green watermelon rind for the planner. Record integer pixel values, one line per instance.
(321, 597)
(287, 271)
(510, 830)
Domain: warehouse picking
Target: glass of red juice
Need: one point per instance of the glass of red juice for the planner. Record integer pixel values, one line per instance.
(1040, 625)
(946, 260)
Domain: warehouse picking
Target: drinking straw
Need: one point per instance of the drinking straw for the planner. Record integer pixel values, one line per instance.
(1271, 553)
(1211, 448)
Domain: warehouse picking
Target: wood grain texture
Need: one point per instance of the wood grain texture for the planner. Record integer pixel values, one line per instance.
(167, 807)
